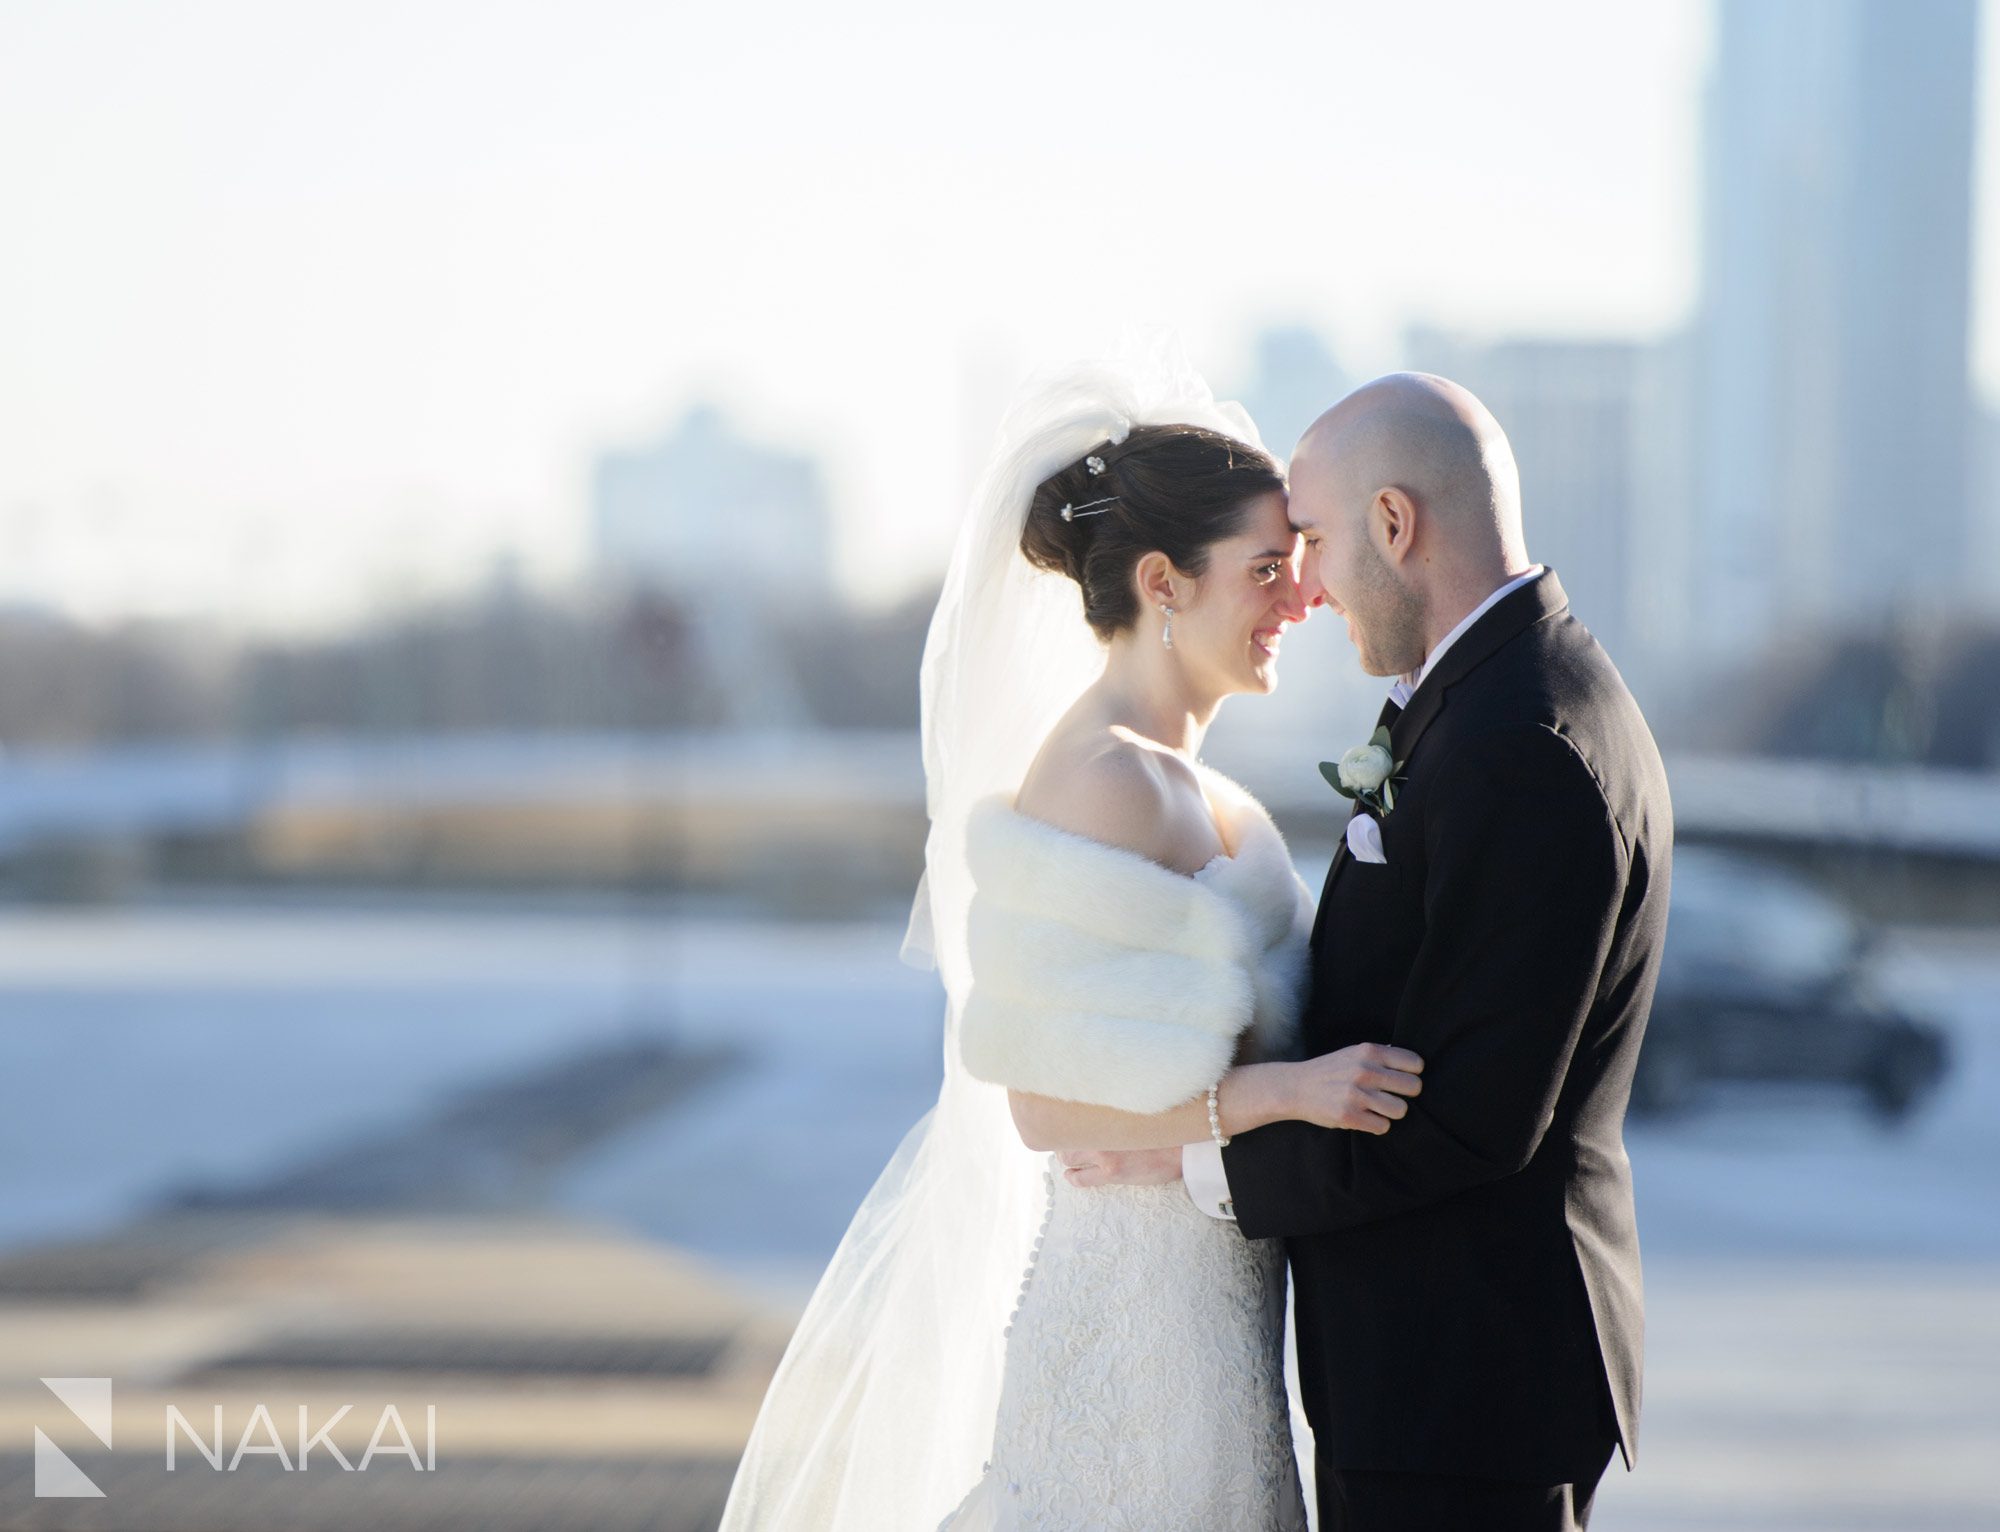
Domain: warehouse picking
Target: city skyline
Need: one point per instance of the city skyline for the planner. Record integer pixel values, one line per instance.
(307, 317)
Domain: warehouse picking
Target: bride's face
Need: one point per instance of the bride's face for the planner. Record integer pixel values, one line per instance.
(1230, 632)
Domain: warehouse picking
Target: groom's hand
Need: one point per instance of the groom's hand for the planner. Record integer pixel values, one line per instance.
(1121, 1167)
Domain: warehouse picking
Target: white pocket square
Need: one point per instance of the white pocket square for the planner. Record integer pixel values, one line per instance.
(1364, 839)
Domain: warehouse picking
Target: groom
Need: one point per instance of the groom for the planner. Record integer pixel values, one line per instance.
(1466, 1285)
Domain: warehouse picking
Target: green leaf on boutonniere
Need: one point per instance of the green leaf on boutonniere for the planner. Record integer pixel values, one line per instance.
(1331, 771)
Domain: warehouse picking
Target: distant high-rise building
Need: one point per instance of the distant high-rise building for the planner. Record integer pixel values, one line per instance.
(1829, 373)
(1985, 541)
(1296, 378)
(704, 510)
(724, 527)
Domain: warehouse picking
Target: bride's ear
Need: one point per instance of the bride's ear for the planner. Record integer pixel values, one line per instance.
(1160, 584)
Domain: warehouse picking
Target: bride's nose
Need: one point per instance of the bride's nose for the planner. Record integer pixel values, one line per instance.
(1291, 601)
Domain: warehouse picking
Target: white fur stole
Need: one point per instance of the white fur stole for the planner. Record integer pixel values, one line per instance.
(1101, 976)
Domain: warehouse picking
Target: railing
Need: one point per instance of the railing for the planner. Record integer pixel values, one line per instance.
(175, 789)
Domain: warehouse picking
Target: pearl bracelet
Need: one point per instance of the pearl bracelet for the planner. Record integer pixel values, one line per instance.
(1215, 1120)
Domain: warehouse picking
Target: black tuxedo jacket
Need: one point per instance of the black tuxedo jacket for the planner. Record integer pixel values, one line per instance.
(1467, 1285)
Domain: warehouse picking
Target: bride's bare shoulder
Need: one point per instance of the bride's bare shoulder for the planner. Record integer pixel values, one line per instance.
(1112, 788)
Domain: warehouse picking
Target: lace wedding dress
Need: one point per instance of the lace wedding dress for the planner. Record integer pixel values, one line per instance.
(1144, 1385)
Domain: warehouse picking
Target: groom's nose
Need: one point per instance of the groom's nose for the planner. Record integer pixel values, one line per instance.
(1311, 591)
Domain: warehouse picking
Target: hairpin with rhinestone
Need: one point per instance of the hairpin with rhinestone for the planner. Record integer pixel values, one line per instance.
(1071, 512)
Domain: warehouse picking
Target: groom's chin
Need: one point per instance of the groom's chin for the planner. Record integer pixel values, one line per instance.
(1386, 667)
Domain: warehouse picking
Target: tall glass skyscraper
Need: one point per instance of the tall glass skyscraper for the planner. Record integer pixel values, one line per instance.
(1831, 401)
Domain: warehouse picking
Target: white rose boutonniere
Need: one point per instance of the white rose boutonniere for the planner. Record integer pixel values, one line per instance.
(1366, 774)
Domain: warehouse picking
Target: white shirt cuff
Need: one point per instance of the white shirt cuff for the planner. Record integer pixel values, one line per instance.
(1205, 1179)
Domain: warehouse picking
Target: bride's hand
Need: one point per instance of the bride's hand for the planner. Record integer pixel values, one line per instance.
(1363, 1087)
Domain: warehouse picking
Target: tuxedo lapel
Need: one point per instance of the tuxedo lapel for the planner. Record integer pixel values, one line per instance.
(1534, 602)
(1340, 857)
(1510, 617)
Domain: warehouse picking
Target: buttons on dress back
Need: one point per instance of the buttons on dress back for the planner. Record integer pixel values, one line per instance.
(1041, 1235)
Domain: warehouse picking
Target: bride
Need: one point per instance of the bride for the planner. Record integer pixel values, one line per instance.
(1122, 942)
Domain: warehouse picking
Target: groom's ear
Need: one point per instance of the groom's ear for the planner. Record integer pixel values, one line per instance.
(1393, 522)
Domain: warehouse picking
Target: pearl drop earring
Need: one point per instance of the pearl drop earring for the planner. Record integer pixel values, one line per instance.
(1167, 633)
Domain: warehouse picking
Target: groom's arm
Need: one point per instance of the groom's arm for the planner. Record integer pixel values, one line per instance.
(1526, 872)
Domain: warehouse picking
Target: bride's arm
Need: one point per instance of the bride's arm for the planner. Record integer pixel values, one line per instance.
(1249, 1096)
(1364, 1088)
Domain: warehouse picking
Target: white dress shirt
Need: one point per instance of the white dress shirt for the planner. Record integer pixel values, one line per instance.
(1201, 1163)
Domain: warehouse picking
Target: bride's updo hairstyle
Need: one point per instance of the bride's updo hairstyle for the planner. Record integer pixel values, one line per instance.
(1177, 490)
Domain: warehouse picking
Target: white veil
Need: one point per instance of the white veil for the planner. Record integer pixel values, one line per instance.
(881, 1414)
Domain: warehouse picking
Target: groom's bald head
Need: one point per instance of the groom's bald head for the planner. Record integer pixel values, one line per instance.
(1408, 496)
(1437, 443)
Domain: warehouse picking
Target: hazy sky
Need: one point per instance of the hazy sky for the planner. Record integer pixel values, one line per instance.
(307, 306)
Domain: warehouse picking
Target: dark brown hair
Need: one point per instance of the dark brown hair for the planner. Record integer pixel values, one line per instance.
(1179, 490)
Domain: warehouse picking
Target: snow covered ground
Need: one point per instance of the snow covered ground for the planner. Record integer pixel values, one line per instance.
(1823, 1295)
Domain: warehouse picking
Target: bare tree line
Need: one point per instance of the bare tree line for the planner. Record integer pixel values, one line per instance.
(1924, 692)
